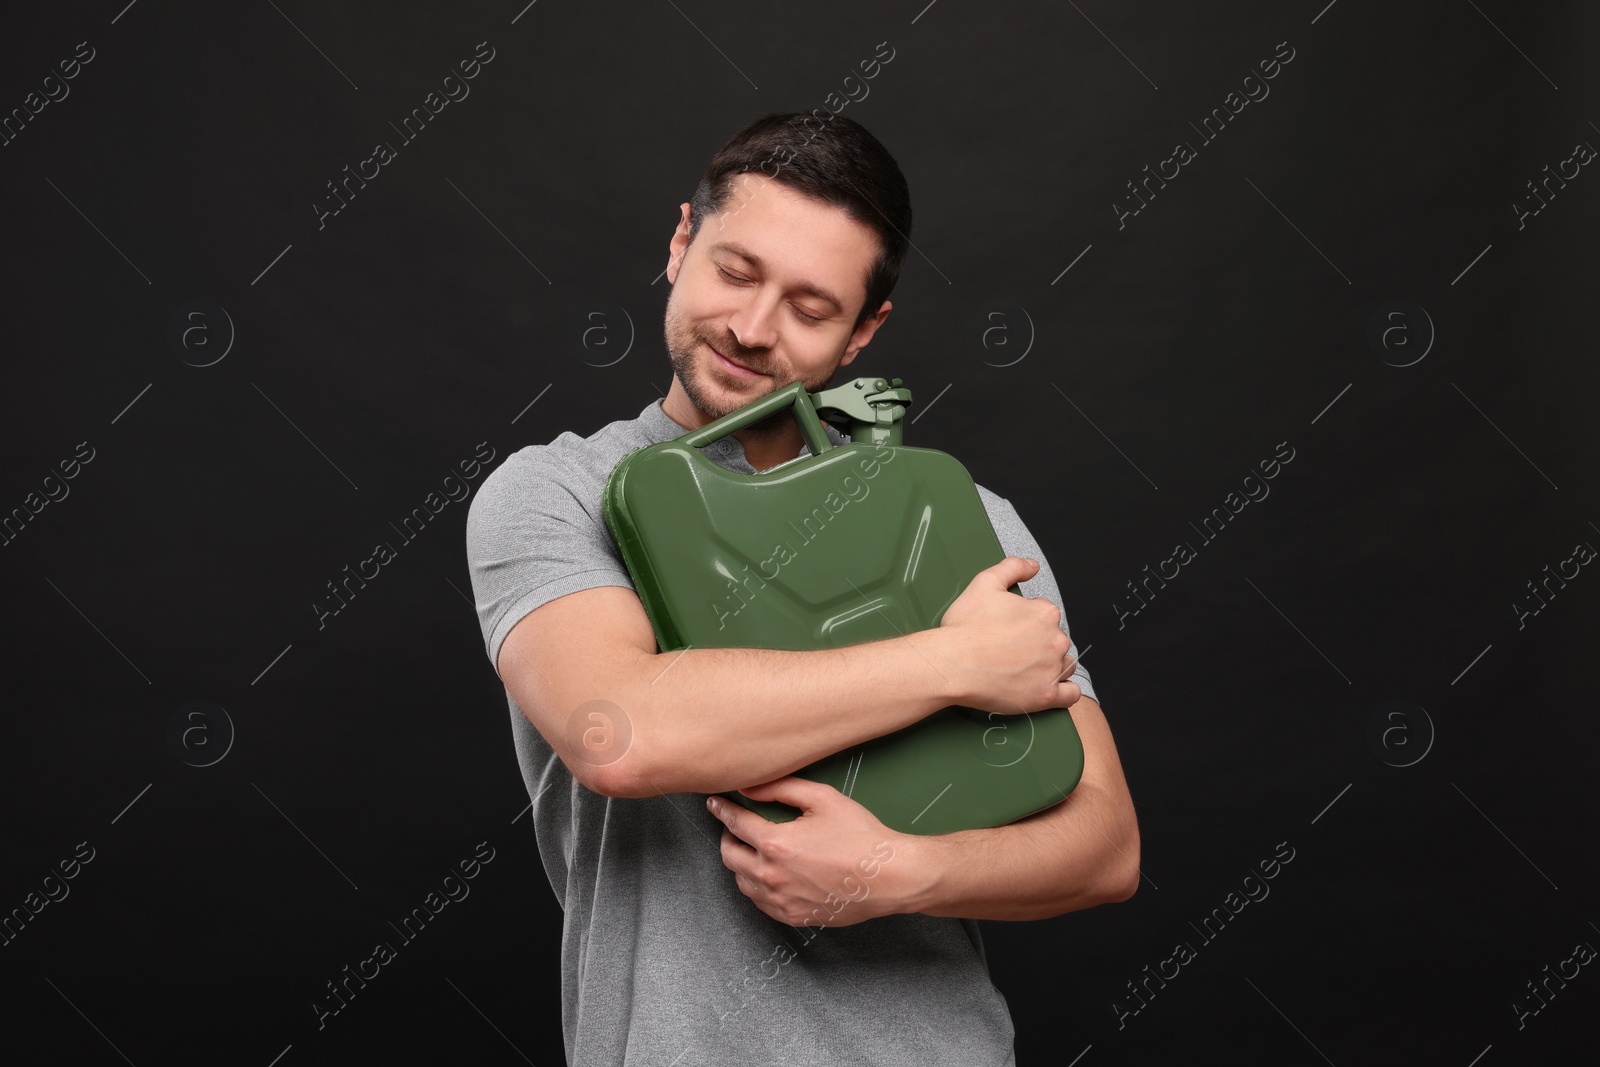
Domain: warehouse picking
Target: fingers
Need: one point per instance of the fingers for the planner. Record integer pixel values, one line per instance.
(743, 824)
(737, 856)
(725, 811)
(740, 858)
(1018, 569)
(797, 792)
(1009, 571)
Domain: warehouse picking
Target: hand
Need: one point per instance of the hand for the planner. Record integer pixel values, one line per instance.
(1009, 649)
(831, 866)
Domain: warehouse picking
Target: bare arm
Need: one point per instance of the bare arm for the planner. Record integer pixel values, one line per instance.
(838, 865)
(1077, 854)
(712, 720)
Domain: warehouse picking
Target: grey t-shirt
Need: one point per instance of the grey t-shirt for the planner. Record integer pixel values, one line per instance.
(663, 960)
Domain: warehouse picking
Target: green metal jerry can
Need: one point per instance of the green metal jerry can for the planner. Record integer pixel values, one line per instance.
(855, 543)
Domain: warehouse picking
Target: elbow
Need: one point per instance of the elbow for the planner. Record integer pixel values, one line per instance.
(598, 780)
(1125, 872)
(607, 780)
(606, 753)
(636, 762)
(626, 776)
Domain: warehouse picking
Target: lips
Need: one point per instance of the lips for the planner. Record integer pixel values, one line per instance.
(736, 368)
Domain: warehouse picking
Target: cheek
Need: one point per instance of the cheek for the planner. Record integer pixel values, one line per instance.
(683, 313)
(704, 301)
(815, 356)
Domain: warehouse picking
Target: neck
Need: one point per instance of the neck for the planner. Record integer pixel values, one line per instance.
(764, 446)
(771, 450)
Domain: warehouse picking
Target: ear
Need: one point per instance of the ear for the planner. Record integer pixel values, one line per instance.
(864, 333)
(678, 245)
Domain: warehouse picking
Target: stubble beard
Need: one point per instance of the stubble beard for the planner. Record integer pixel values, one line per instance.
(692, 370)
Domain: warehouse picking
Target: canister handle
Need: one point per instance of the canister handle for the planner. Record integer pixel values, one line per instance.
(793, 395)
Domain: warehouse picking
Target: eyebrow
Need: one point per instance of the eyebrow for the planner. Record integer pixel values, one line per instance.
(755, 260)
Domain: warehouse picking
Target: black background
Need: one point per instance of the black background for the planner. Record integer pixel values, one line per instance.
(374, 353)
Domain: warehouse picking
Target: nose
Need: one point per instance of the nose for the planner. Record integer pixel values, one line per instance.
(754, 322)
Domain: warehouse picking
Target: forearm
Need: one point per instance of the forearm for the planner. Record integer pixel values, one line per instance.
(709, 720)
(1036, 868)
(1078, 854)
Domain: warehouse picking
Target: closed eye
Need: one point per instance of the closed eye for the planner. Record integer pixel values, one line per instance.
(739, 279)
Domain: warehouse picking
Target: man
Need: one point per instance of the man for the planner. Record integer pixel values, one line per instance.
(696, 931)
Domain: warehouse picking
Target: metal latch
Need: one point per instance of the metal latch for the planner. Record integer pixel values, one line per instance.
(866, 410)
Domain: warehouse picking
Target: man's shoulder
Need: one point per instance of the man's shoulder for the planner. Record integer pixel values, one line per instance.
(581, 463)
(1013, 534)
(995, 504)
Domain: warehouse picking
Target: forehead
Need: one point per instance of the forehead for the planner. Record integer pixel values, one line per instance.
(797, 238)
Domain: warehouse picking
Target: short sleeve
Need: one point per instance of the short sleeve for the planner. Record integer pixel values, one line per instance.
(535, 533)
(1015, 540)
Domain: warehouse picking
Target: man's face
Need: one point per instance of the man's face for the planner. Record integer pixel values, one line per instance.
(774, 283)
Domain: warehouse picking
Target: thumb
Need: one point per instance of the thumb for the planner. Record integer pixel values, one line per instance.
(792, 790)
(1011, 570)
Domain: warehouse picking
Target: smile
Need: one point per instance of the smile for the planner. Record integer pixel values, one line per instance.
(734, 368)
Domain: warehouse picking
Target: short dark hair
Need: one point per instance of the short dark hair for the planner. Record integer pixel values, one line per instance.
(832, 159)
